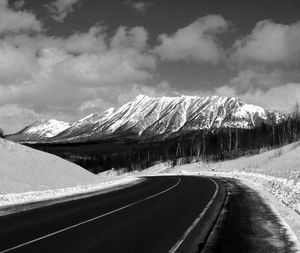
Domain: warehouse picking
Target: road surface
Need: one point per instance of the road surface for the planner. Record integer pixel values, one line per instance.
(161, 214)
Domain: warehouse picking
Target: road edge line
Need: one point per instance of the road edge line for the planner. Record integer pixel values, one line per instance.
(196, 221)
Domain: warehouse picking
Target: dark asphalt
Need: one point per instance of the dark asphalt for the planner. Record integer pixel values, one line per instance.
(248, 225)
(151, 225)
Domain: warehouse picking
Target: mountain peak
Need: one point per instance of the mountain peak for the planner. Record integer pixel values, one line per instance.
(40, 130)
(140, 97)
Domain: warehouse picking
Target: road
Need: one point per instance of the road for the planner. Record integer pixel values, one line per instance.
(161, 214)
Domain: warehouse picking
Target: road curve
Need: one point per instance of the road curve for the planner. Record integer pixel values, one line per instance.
(161, 214)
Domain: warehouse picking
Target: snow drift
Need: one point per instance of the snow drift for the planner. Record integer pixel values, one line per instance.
(24, 169)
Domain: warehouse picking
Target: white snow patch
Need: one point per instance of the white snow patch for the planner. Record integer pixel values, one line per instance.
(35, 196)
(24, 169)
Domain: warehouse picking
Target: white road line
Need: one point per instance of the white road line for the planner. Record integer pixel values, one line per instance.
(92, 219)
(189, 230)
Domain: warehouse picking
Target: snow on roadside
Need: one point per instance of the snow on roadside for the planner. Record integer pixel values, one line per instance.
(275, 174)
(283, 189)
(155, 169)
(278, 171)
(276, 189)
(28, 175)
(35, 196)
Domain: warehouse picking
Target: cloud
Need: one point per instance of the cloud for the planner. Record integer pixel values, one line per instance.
(257, 78)
(17, 21)
(54, 76)
(13, 117)
(19, 4)
(280, 98)
(139, 6)
(196, 42)
(60, 9)
(267, 87)
(269, 43)
(113, 67)
(92, 41)
(94, 105)
(135, 37)
(267, 63)
(16, 64)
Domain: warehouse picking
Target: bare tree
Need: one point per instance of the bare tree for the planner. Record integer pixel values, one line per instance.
(236, 139)
(296, 113)
(296, 116)
(230, 141)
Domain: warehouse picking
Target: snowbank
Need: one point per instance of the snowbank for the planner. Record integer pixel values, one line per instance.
(23, 169)
(36, 196)
(284, 190)
(120, 173)
(28, 175)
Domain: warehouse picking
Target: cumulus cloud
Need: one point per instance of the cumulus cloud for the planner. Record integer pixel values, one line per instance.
(13, 117)
(60, 9)
(139, 6)
(280, 98)
(66, 78)
(16, 64)
(94, 105)
(113, 67)
(19, 4)
(269, 88)
(12, 21)
(269, 43)
(92, 41)
(267, 63)
(257, 78)
(196, 42)
(135, 37)
(62, 74)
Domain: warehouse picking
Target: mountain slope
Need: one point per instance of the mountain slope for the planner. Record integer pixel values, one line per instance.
(147, 117)
(39, 131)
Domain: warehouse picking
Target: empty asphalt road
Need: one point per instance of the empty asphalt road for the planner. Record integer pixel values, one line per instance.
(161, 214)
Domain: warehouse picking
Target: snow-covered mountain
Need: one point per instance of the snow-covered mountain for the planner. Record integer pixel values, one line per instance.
(147, 117)
(39, 130)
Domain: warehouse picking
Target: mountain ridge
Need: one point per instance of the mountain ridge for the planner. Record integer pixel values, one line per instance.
(146, 117)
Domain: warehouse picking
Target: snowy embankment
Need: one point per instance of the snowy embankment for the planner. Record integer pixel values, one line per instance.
(278, 171)
(284, 190)
(275, 174)
(28, 175)
(36, 196)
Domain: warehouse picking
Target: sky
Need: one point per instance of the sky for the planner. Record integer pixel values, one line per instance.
(66, 59)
